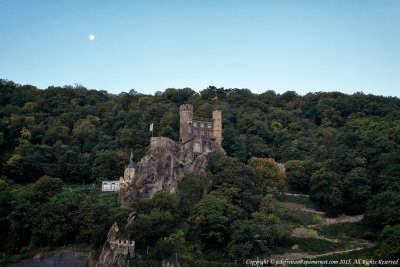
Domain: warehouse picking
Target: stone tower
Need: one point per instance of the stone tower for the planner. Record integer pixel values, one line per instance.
(186, 117)
(217, 130)
(130, 170)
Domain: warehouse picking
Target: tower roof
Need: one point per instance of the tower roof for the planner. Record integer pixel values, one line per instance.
(132, 165)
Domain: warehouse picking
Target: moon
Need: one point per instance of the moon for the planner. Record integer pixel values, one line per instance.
(91, 37)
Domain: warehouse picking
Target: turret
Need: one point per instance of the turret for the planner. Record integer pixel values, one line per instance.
(186, 117)
(130, 169)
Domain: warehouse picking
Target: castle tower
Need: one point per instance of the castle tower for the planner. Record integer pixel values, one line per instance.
(129, 172)
(217, 129)
(186, 117)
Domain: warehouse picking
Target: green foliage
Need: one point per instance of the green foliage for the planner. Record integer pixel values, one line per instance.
(49, 218)
(383, 209)
(389, 242)
(305, 201)
(344, 231)
(233, 181)
(163, 248)
(296, 217)
(212, 221)
(46, 187)
(247, 239)
(315, 246)
(326, 190)
(296, 176)
(357, 190)
(341, 149)
(269, 177)
(317, 219)
(268, 218)
(157, 218)
(312, 233)
(190, 191)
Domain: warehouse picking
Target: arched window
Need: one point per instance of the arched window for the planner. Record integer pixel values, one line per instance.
(196, 147)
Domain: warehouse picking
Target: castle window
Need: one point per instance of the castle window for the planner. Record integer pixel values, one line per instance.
(202, 125)
(194, 124)
(201, 133)
(194, 132)
(209, 125)
(196, 147)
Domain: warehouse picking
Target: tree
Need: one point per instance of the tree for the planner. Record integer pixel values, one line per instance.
(383, 209)
(267, 217)
(46, 187)
(240, 148)
(268, 175)
(5, 209)
(247, 239)
(190, 192)
(296, 175)
(235, 177)
(389, 242)
(212, 222)
(326, 191)
(54, 226)
(357, 190)
(141, 230)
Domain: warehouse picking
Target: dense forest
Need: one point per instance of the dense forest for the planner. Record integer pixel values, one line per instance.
(342, 150)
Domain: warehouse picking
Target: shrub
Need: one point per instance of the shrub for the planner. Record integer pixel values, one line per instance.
(312, 233)
(317, 219)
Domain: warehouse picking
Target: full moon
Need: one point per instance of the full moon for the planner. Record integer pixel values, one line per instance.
(91, 37)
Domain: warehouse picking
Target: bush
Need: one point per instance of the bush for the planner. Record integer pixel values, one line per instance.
(296, 217)
(317, 219)
(345, 230)
(312, 233)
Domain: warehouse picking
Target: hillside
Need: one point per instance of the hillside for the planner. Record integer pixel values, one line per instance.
(341, 150)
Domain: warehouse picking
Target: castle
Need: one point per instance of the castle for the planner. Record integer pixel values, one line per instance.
(164, 165)
(167, 161)
(192, 129)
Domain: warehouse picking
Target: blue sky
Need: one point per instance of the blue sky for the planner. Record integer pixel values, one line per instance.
(151, 45)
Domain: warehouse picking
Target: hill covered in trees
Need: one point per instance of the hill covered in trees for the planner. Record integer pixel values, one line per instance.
(342, 150)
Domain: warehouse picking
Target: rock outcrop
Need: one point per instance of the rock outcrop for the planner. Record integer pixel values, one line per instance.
(115, 251)
(165, 164)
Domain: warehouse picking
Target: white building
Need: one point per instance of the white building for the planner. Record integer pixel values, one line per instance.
(110, 186)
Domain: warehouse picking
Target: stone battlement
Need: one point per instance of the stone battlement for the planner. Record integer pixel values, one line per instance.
(186, 107)
(122, 246)
(120, 242)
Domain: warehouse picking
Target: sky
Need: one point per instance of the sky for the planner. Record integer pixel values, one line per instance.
(151, 45)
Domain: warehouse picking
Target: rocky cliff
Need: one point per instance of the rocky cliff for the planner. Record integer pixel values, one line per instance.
(162, 168)
(165, 164)
(115, 251)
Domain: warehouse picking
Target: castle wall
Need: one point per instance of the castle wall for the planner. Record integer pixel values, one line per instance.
(203, 127)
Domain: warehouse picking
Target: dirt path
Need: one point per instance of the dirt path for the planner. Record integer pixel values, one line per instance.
(342, 219)
(302, 232)
(295, 206)
(295, 195)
